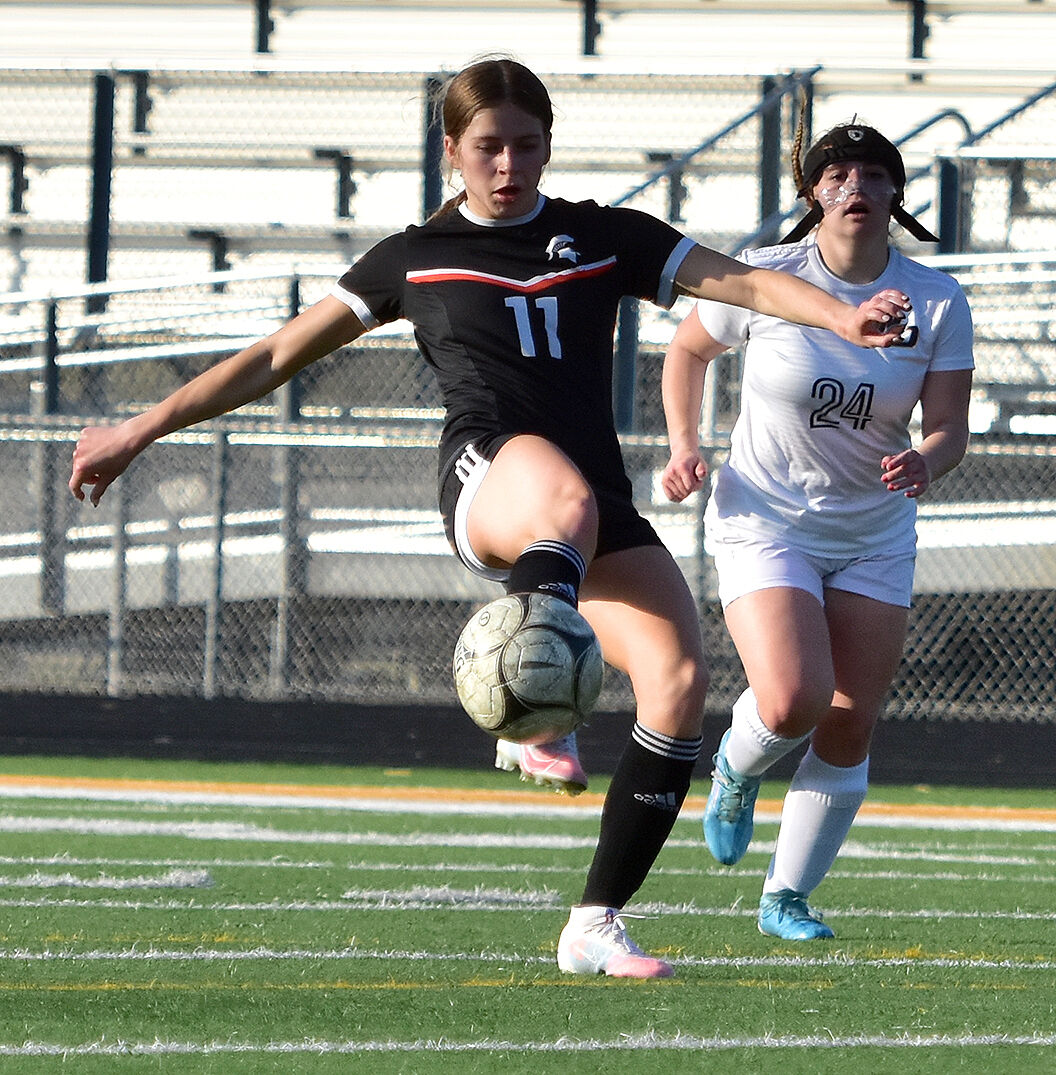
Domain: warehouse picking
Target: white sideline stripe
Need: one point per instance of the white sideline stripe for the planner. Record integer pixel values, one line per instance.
(859, 850)
(445, 896)
(400, 900)
(182, 864)
(167, 955)
(248, 832)
(624, 1043)
(380, 805)
(524, 868)
(169, 879)
(561, 808)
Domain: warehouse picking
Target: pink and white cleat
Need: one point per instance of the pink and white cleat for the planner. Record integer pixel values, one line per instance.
(595, 941)
(554, 765)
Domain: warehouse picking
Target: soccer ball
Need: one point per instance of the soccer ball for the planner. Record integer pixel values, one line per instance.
(528, 668)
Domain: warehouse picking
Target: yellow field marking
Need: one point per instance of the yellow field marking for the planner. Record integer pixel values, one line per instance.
(360, 792)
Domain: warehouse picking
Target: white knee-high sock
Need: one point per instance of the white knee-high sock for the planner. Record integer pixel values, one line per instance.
(819, 808)
(751, 747)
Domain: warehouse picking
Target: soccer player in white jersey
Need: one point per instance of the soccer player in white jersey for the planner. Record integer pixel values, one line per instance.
(513, 297)
(812, 520)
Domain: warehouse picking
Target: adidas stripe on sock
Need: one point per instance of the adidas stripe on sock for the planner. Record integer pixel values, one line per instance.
(548, 566)
(645, 795)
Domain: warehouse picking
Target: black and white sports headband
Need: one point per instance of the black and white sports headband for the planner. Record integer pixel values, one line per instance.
(860, 143)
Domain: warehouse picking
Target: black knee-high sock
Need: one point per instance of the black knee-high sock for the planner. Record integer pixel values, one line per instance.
(645, 796)
(552, 567)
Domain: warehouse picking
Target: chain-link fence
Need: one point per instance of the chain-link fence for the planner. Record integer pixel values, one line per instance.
(1006, 198)
(295, 550)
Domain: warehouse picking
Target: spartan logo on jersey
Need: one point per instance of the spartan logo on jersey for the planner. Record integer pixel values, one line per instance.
(561, 247)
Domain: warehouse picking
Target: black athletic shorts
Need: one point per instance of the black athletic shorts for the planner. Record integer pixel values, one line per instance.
(620, 526)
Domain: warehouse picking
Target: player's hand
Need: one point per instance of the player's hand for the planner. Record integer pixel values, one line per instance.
(101, 455)
(878, 321)
(906, 473)
(684, 474)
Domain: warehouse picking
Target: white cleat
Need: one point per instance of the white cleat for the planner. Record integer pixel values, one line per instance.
(595, 941)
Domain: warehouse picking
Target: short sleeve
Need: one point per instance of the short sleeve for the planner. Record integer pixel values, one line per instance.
(650, 253)
(373, 287)
(954, 336)
(725, 324)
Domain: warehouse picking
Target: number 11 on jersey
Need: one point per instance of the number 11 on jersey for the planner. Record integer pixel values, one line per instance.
(547, 305)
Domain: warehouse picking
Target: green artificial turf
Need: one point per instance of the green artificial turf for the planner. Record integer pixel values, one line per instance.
(230, 933)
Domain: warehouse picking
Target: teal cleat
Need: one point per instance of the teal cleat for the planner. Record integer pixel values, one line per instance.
(786, 914)
(729, 815)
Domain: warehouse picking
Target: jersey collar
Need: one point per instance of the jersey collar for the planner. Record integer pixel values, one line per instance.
(814, 253)
(488, 222)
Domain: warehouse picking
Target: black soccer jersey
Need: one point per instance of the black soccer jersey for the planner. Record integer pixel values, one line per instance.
(517, 318)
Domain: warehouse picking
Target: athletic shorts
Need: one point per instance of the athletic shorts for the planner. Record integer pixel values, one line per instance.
(746, 563)
(619, 524)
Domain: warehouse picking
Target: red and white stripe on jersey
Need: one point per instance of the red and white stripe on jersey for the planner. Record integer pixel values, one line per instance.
(536, 283)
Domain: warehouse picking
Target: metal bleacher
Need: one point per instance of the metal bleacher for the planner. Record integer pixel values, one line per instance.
(233, 158)
(228, 156)
(300, 156)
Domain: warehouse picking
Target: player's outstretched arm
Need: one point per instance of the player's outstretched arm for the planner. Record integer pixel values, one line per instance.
(104, 452)
(711, 275)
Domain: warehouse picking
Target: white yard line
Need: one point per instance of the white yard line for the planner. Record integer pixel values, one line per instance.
(188, 873)
(645, 1043)
(519, 903)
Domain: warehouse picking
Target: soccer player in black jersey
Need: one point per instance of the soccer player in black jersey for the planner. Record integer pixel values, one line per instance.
(514, 297)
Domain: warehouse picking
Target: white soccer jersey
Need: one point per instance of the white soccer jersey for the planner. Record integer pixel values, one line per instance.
(818, 414)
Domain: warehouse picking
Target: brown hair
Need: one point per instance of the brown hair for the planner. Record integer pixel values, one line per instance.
(484, 84)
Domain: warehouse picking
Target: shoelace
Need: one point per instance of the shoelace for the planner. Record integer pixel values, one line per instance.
(614, 931)
(735, 795)
(796, 907)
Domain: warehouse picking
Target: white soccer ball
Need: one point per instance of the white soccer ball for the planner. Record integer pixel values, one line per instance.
(528, 668)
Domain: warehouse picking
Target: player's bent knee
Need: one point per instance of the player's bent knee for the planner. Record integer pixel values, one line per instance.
(795, 712)
(579, 508)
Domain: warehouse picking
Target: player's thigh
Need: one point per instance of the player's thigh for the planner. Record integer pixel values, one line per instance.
(867, 639)
(532, 490)
(782, 638)
(646, 620)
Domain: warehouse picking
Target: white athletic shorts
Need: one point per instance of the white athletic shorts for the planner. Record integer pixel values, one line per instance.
(746, 563)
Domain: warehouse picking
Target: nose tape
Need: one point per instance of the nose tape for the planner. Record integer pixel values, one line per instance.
(877, 190)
